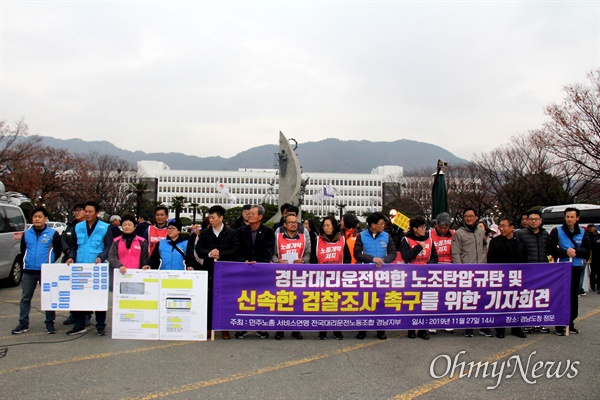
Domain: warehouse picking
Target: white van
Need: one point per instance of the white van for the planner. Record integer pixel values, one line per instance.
(12, 226)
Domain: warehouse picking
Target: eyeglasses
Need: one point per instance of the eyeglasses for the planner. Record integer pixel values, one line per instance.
(470, 216)
(292, 223)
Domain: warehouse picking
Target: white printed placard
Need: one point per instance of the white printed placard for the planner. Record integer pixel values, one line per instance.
(183, 305)
(160, 305)
(75, 287)
(135, 304)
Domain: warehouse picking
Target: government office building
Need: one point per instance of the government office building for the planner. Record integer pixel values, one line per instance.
(324, 192)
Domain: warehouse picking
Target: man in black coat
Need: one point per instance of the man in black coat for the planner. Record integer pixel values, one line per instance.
(257, 244)
(217, 243)
(507, 248)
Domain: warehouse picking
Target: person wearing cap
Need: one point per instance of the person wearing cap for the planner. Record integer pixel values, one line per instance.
(170, 253)
(417, 247)
(128, 251)
(68, 243)
(115, 226)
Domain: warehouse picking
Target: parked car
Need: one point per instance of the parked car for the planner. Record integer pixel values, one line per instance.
(12, 226)
(58, 226)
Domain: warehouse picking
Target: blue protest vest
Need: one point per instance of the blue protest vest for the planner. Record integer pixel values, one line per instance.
(565, 243)
(170, 257)
(88, 247)
(39, 249)
(376, 247)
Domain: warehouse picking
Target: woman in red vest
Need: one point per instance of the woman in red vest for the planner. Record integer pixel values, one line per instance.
(330, 249)
(418, 248)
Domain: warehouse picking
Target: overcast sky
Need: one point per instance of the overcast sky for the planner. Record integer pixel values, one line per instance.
(216, 78)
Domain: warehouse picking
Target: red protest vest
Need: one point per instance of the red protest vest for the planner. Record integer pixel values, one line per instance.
(155, 235)
(425, 254)
(285, 245)
(330, 252)
(443, 246)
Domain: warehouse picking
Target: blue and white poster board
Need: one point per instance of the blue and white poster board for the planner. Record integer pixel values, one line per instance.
(75, 287)
(160, 305)
(135, 304)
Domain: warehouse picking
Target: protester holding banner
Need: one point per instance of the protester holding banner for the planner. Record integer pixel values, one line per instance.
(170, 253)
(217, 243)
(571, 243)
(469, 246)
(331, 249)
(291, 247)
(68, 243)
(374, 246)
(93, 240)
(417, 248)
(257, 243)
(40, 244)
(128, 251)
(507, 248)
(350, 231)
(535, 240)
(311, 227)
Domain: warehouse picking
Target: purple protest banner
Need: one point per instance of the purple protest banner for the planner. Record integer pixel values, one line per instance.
(396, 297)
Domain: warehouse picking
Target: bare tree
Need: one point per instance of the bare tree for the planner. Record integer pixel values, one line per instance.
(106, 179)
(573, 132)
(16, 147)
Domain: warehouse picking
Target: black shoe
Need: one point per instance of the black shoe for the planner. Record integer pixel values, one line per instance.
(101, 331)
(278, 335)
(423, 335)
(297, 335)
(240, 335)
(521, 335)
(262, 335)
(500, 335)
(560, 331)
(74, 331)
(21, 328)
(544, 329)
(412, 335)
(469, 332)
(50, 329)
(69, 320)
(361, 335)
(322, 335)
(486, 332)
(381, 336)
(338, 335)
(573, 330)
(529, 329)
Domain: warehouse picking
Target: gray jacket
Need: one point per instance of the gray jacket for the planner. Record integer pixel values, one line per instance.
(469, 247)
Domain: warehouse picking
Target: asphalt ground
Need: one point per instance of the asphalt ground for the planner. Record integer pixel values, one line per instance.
(37, 365)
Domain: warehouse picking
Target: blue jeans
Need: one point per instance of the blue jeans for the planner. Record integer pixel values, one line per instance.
(28, 284)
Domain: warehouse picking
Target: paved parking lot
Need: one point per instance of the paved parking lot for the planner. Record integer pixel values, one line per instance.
(41, 366)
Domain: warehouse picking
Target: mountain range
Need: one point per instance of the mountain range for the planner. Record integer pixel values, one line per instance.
(328, 155)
